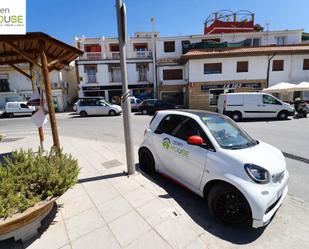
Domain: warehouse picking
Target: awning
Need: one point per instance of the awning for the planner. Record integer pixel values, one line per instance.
(303, 86)
(280, 87)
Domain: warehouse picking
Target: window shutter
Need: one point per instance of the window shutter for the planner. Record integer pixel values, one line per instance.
(242, 66)
(172, 74)
(278, 65)
(306, 64)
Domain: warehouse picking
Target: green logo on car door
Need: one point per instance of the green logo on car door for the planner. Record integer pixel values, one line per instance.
(175, 147)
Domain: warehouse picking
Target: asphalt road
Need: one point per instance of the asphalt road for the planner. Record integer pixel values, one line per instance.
(291, 136)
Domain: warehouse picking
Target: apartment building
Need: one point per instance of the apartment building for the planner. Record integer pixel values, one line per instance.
(99, 68)
(226, 70)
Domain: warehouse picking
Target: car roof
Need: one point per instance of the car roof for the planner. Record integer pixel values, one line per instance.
(195, 112)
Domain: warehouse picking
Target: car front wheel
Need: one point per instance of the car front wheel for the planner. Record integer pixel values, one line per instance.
(282, 115)
(83, 114)
(228, 205)
(112, 113)
(236, 116)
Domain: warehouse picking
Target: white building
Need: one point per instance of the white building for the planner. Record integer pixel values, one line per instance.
(99, 68)
(16, 87)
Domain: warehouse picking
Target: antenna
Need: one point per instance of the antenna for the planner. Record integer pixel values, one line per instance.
(267, 25)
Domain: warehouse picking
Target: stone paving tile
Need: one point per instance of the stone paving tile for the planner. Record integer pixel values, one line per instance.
(101, 238)
(155, 211)
(197, 243)
(54, 237)
(100, 191)
(149, 240)
(124, 184)
(72, 193)
(70, 208)
(139, 196)
(114, 208)
(83, 223)
(66, 247)
(128, 228)
(176, 233)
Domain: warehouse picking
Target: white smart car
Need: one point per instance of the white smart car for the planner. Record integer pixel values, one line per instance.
(244, 180)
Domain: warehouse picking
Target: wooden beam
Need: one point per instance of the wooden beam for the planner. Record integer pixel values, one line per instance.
(48, 94)
(21, 71)
(22, 53)
(59, 59)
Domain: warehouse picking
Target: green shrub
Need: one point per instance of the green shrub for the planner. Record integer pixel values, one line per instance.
(27, 178)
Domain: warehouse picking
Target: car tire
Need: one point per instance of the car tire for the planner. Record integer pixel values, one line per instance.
(10, 115)
(83, 114)
(146, 161)
(236, 116)
(282, 115)
(144, 112)
(228, 205)
(112, 113)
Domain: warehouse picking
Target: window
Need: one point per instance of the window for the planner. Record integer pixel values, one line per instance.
(267, 99)
(253, 42)
(169, 123)
(306, 64)
(115, 74)
(212, 68)
(280, 40)
(169, 46)
(91, 72)
(187, 128)
(242, 66)
(4, 85)
(141, 69)
(211, 40)
(214, 95)
(92, 48)
(172, 74)
(278, 65)
(23, 106)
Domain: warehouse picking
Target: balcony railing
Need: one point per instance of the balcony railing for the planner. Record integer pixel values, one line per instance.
(115, 55)
(142, 54)
(93, 56)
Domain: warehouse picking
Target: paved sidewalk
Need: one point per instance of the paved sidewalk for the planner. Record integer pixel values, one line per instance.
(107, 209)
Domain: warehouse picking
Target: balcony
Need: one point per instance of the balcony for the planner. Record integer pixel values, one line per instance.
(92, 56)
(115, 76)
(142, 54)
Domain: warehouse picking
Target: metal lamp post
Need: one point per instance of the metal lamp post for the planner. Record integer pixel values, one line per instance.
(125, 101)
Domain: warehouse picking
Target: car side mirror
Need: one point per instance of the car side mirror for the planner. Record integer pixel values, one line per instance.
(195, 140)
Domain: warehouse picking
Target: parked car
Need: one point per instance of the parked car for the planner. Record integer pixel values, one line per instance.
(87, 106)
(86, 98)
(134, 103)
(17, 109)
(150, 106)
(253, 105)
(243, 180)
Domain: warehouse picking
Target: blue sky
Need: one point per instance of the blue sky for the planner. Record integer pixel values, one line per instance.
(65, 19)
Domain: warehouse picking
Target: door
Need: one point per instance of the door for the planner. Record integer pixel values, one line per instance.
(271, 106)
(253, 106)
(101, 108)
(180, 160)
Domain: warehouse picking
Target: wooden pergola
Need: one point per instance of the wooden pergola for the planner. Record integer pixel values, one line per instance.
(44, 51)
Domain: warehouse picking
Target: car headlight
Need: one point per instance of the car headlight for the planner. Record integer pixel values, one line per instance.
(257, 173)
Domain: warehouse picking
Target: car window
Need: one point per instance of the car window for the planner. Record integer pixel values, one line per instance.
(169, 123)
(138, 101)
(23, 106)
(227, 133)
(188, 128)
(267, 99)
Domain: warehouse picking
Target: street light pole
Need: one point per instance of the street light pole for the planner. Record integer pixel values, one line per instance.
(125, 101)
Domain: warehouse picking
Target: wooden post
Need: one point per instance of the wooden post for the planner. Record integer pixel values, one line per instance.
(48, 93)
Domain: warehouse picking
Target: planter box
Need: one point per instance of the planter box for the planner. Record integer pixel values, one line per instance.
(23, 226)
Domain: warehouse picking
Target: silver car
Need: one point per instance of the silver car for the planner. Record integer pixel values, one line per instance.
(86, 107)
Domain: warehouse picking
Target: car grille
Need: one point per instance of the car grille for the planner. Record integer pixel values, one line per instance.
(278, 177)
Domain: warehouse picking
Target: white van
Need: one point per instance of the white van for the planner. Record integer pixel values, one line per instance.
(18, 108)
(253, 105)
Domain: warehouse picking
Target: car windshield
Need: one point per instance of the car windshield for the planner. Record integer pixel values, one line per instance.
(227, 133)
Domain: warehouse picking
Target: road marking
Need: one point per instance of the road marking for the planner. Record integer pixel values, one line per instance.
(295, 157)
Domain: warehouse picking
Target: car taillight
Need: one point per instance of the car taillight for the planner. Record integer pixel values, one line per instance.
(224, 105)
